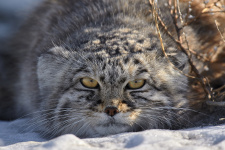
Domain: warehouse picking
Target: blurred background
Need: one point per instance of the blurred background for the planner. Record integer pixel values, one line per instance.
(12, 13)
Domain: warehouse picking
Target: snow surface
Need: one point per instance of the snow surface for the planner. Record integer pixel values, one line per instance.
(14, 137)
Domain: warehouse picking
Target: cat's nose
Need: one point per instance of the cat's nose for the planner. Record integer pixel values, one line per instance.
(111, 110)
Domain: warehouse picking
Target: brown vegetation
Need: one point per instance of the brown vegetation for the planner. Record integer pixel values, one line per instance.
(200, 30)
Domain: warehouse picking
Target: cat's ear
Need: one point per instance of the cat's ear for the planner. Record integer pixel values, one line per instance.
(180, 61)
(59, 51)
(50, 67)
(52, 60)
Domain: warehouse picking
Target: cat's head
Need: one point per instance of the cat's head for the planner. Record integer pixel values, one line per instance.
(100, 88)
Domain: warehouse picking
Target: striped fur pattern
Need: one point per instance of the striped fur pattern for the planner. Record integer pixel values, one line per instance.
(113, 42)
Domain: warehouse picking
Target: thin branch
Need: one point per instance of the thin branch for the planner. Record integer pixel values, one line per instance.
(194, 69)
(219, 31)
(161, 41)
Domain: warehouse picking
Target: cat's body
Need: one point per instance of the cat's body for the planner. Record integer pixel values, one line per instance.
(113, 42)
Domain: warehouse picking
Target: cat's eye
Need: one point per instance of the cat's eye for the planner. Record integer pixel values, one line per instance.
(136, 84)
(89, 82)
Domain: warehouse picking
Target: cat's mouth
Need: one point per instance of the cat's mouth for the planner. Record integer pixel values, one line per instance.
(111, 126)
(112, 122)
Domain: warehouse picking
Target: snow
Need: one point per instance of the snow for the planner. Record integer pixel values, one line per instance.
(14, 136)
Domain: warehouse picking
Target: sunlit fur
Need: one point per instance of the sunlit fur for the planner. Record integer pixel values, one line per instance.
(113, 42)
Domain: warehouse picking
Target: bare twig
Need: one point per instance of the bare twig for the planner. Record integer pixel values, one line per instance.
(219, 89)
(160, 38)
(215, 96)
(219, 31)
(199, 77)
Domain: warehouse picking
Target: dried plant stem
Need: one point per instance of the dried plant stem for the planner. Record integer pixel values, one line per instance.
(203, 58)
(219, 89)
(202, 81)
(194, 69)
(161, 41)
(207, 12)
(219, 31)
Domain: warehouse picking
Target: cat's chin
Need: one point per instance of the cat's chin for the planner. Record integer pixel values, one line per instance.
(110, 129)
(108, 125)
(104, 128)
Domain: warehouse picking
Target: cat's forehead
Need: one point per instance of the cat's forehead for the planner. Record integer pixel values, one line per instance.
(102, 57)
(118, 69)
(113, 42)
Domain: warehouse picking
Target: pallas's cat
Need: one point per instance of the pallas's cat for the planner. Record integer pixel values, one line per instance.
(95, 68)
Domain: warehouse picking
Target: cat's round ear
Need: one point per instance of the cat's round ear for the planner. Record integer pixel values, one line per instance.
(59, 51)
(180, 61)
(48, 67)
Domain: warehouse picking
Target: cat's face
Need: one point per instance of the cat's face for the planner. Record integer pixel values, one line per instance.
(94, 92)
(92, 95)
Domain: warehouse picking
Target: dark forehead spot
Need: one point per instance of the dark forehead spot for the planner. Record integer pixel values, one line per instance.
(90, 59)
(140, 41)
(109, 61)
(126, 43)
(153, 47)
(99, 58)
(123, 38)
(102, 78)
(136, 61)
(122, 80)
(113, 51)
(126, 60)
(103, 66)
(116, 62)
(102, 39)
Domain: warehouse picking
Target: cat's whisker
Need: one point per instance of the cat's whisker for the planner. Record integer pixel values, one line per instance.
(175, 108)
(67, 125)
(51, 112)
(61, 127)
(138, 124)
(32, 114)
(43, 121)
(38, 120)
(86, 124)
(85, 128)
(149, 120)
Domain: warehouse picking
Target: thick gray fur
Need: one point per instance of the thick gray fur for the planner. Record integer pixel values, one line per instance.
(111, 41)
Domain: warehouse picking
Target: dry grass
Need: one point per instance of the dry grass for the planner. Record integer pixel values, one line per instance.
(207, 59)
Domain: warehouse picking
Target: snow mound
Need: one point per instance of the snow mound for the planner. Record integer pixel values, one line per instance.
(207, 138)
